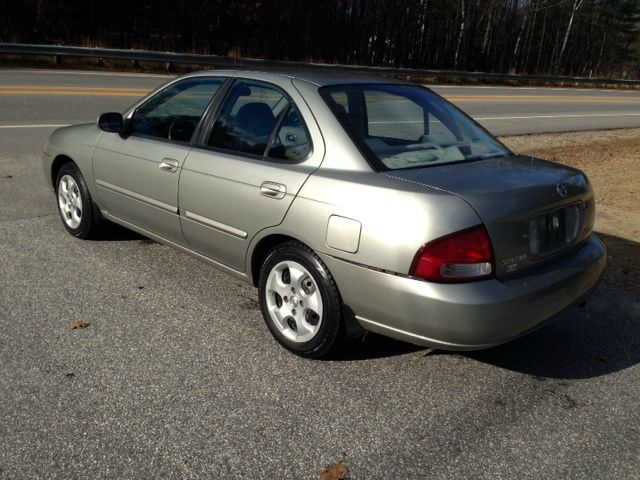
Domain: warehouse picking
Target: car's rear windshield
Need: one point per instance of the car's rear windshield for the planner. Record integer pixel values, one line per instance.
(408, 126)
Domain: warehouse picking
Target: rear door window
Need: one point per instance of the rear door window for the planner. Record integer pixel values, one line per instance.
(291, 142)
(248, 118)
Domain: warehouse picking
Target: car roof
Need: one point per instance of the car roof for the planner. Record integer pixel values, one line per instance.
(320, 78)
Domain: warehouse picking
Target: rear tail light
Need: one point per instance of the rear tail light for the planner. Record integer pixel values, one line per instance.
(464, 256)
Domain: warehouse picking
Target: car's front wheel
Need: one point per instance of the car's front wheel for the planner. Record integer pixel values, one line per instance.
(300, 301)
(74, 202)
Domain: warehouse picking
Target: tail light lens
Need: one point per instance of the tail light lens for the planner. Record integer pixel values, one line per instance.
(464, 256)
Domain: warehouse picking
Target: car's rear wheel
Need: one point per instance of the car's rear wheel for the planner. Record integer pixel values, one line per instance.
(74, 202)
(300, 301)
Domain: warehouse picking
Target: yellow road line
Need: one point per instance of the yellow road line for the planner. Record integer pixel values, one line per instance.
(71, 92)
(84, 91)
(44, 87)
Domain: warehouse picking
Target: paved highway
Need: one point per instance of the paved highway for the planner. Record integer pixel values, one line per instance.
(177, 376)
(49, 97)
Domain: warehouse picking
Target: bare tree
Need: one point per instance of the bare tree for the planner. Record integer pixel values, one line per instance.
(576, 6)
(460, 34)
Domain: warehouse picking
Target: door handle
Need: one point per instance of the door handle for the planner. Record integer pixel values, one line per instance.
(169, 165)
(273, 190)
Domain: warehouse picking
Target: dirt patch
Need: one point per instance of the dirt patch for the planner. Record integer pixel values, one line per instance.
(611, 160)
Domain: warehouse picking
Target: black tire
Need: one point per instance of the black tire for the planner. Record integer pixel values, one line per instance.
(331, 331)
(87, 227)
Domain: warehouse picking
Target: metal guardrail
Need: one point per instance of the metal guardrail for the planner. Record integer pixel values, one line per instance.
(169, 58)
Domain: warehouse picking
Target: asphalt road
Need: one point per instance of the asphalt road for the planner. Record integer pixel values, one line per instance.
(177, 376)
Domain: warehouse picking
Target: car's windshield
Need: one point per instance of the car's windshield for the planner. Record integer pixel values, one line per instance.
(406, 126)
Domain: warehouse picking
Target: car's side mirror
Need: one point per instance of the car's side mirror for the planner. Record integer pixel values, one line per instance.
(111, 122)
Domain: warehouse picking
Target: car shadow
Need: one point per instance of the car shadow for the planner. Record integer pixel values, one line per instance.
(599, 339)
(585, 345)
(111, 232)
(372, 346)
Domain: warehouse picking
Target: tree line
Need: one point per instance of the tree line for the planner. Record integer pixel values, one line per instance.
(557, 37)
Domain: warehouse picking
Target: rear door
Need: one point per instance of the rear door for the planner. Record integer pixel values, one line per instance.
(260, 148)
(137, 176)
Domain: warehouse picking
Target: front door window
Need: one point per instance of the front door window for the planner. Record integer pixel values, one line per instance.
(174, 113)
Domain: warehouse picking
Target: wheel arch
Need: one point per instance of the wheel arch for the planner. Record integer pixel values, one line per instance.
(262, 249)
(57, 164)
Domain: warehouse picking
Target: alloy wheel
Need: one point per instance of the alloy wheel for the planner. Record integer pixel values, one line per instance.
(294, 301)
(70, 201)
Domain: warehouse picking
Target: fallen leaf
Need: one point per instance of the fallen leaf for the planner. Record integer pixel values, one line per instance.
(337, 471)
(78, 325)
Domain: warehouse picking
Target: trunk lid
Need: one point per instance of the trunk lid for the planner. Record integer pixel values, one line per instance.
(534, 210)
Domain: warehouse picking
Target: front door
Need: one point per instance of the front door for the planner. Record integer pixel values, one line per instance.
(136, 175)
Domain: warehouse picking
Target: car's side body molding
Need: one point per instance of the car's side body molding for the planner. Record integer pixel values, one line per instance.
(136, 196)
(236, 232)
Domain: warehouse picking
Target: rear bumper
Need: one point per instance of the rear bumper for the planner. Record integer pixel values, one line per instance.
(471, 315)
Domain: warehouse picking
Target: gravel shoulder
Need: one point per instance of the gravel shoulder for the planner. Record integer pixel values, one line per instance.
(611, 160)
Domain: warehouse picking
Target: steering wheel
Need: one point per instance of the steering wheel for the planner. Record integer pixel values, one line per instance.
(181, 130)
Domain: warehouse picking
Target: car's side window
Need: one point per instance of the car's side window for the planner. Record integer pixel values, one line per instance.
(292, 140)
(174, 113)
(248, 117)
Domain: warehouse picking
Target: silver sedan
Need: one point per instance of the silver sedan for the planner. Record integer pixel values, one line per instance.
(353, 205)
